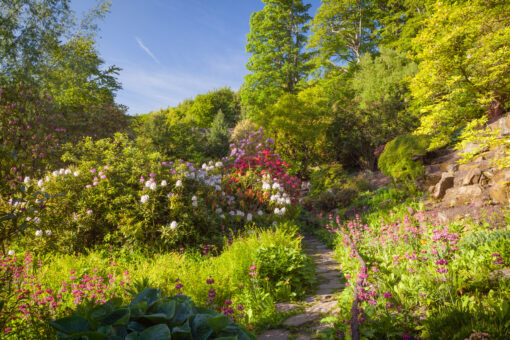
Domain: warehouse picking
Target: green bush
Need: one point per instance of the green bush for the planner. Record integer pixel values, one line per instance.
(326, 177)
(288, 271)
(397, 159)
(149, 316)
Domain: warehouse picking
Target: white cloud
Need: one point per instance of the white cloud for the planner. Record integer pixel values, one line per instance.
(146, 49)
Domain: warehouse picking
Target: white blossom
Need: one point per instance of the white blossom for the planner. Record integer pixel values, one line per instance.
(61, 171)
(222, 216)
(67, 172)
(38, 233)
(76, 173)
(40, 183)
(164, 183)
(249, 217)
(194, 198)
(153, 186)
(276, 186)
(170, 195)
(26, 180)
(144, 198)
(55, 173)
(37, 220)
(178, 183)
(194, 203)
(173, 225)
(219, 210)
(10, 252)
(277, 211)
(239, 213)
(48, 232)
(266, 186)
(260, 213)
(218, 164)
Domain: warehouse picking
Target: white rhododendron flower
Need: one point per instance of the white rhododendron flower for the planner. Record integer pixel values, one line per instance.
(276, 186)
(38, 233)
(173, 225)
(218, 164)
(266, 186)
(277, 211)
(144, 198)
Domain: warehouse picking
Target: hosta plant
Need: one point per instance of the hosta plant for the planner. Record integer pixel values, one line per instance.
(149, 316)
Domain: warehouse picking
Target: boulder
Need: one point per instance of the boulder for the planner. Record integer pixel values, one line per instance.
(472, 177)
(444, 184)
(482, 165)
(500, 176)
(499, 192)
(504, 126)
(463, 195)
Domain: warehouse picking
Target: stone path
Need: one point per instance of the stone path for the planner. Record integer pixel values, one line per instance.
(306, 324)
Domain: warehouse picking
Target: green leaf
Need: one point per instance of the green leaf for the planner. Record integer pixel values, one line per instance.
(219, 322)
(156, 317)
(135, 326)
(138, 309)
(157, 332)
(117, 317)
(71, 324)
(150, 295)
(182, 332)
(200, 327)
(133, 336)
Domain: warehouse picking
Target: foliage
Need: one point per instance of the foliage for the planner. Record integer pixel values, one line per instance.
(277, 63)
(421, 279)
(288, 271)
(205, 108)
(31, 127)
(343, 31)
(242, 130)
(149, 316)
(464, 66)
(397, 159)
(217, 137)
(298, 123)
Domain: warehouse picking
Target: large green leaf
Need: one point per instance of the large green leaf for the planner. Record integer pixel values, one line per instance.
(200, 327)
(219, 322)
(118, 317)
(138, 309)
(71, 324)
(157, 332)
(133, 336)
(182, 332)
(150, 295)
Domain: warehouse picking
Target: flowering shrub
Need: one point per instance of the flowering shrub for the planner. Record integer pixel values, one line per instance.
(416, 270)
(114, 192)
(30, 126)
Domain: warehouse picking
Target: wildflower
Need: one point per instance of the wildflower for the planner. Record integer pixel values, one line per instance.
(93, 170)
(249, 217)
(260, 213)
(10, 252)
(144, 198)
(95, 183)
(89, 212)
(55, 173)
(222, 216)
(170, 195)
(153, 186)
(103, 176)
(142, 179)
(210, 281)
(88, 186)
(38, 233)
(164, 183)
(152, 175)
(178, 183)
(388, 295)
(76, 173)
(173, 225)
(67, 172)
(219, 210)
(26, 180)
(48, 232)
(40, 183)
(61, 171)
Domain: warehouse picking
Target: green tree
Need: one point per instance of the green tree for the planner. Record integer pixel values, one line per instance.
(217, 137)
(464, 69)
(342, 31)
(278, 62)
(205, 107)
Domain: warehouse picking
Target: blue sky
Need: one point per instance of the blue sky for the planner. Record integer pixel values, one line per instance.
(170, 50)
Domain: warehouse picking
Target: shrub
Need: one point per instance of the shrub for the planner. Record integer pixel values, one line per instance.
(397, 159)
(149, 316)
(326, 177)
(287, 271)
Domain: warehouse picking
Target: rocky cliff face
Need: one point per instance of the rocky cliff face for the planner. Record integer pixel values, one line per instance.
(455, 188)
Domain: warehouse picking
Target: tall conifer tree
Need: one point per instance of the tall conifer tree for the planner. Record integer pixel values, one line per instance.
(278, 61)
